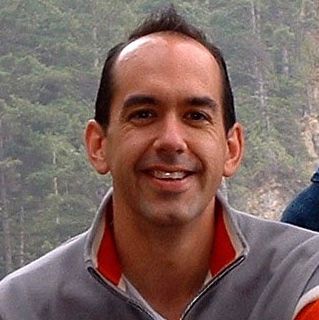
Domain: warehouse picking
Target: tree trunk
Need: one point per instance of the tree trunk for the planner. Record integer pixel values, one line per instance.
(22, 238)
(261, 85)
(285, 61)
(310, 9)
(96, 51)
(4, 214)
(94, 35)
(55, 186)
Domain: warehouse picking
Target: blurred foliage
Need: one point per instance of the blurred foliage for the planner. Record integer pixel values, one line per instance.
(51, 56)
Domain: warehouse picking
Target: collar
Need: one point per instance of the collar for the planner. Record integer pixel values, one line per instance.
(101, 254)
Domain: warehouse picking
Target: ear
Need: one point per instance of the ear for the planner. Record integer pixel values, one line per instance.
(95, 141)
(235, 149)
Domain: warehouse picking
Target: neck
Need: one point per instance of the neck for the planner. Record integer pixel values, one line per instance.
(166, 264)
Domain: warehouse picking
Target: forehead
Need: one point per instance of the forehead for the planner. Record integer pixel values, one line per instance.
(168, 66)
(167, 50)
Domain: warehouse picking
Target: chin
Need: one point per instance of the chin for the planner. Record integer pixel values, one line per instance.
(171, 217)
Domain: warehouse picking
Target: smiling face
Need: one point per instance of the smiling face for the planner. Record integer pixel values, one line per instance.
(166, 146)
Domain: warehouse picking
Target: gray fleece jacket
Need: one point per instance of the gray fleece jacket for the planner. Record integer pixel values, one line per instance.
(273, 269)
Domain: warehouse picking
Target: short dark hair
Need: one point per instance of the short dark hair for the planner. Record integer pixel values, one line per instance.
(166, 19)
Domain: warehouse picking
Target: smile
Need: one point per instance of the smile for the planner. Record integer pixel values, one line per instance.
(166, 175)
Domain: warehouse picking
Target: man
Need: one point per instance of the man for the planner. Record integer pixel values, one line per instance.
(303, 211)
(164, 244)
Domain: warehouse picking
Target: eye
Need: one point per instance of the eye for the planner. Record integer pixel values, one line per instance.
(197, 116)
(141, 116)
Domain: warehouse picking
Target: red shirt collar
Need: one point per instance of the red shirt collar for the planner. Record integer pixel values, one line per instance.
(223, 250)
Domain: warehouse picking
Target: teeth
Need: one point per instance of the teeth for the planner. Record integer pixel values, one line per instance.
(169, 175)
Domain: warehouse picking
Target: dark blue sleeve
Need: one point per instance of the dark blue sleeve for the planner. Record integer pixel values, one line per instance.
(303, 211)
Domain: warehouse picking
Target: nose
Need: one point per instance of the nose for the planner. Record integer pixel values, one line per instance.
(170, 138)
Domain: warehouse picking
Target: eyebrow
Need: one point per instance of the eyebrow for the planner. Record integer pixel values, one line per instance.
(202, 102)
(143, 99)
(139, 99)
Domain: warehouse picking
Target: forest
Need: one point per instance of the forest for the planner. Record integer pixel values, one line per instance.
(51, 56)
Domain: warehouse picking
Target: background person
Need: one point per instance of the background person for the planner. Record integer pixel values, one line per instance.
(303, 210)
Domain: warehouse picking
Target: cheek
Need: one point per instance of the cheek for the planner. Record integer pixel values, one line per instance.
(212, 154)
(126, 152)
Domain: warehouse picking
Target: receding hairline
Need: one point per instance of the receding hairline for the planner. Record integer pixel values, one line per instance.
(165, 36)
(165, 20)
(141, 45)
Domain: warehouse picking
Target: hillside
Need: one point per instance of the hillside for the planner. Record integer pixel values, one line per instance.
(51, 56)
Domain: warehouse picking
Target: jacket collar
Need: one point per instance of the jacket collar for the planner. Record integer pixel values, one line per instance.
(101, 255)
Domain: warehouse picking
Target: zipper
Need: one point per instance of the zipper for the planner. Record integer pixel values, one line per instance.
(121, 294)
(189, 307)
(210, 284)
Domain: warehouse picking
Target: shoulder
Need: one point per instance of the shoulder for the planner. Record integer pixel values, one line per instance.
(253, 226)
(281, 242)
(47, 264)
(65, 256)
(31, 286)
(278, 246)
(288, 257)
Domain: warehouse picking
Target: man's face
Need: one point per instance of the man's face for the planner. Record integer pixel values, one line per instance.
(166, 146)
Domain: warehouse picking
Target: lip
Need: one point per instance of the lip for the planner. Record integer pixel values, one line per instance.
(170, 175)
(169, 168)
(170, 185)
